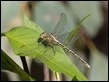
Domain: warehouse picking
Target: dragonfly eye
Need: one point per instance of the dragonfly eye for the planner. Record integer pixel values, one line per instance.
(39, 40)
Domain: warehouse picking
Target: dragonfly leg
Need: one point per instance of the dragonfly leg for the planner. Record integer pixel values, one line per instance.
(52, 48)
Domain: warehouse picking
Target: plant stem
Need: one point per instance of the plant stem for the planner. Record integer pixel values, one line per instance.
(46, 73)
(23, 59)
(57, 76)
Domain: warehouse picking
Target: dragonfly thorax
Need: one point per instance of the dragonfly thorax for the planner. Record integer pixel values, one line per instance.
(47, 39)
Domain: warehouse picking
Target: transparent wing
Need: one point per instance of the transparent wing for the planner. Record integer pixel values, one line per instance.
(76, 36)
(28, 49)
(36, 50)
(61, 25)
(71, 35)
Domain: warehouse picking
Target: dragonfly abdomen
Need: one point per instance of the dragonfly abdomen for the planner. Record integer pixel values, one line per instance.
(84, 63)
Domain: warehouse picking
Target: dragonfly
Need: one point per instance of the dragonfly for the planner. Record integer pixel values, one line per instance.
(49, 39)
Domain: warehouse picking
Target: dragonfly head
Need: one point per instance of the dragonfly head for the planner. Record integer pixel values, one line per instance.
(44, 35)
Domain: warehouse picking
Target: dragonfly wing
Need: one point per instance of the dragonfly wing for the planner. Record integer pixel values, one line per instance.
(37, 50)
(76, 36)
(62, 38)
(27, 49)
(61, 25)
(62, 30)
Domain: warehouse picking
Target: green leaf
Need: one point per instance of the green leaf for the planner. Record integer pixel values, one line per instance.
(8, 64)
(76, 28)
(58, 62)
(74, 79)
(24, 43)
(28, 23)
